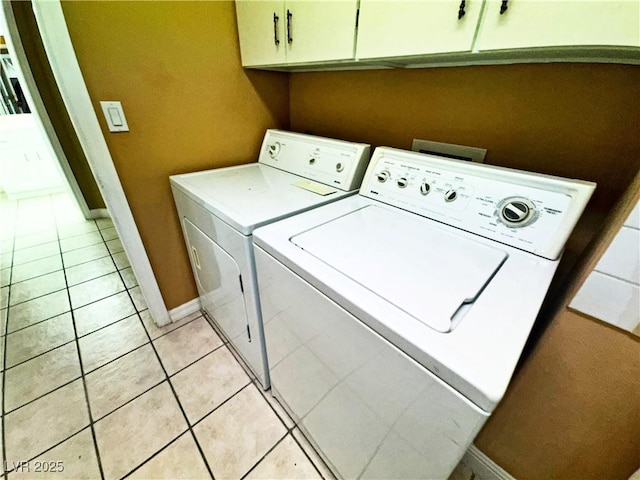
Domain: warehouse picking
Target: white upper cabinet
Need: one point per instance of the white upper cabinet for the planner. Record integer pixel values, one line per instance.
(408, 28)
(321, 31)
(296, 31)
(325, 34)
(559, 23)
(260, 29)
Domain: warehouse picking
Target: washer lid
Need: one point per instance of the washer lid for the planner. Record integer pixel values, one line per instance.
(428, 272)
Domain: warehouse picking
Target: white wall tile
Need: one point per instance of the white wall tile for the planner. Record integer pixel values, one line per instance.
(633, 220)
(622, 258)
(609, 299)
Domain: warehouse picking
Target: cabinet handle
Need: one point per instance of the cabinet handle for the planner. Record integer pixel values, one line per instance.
(275, 29)
(504, 6)
(461, 11)
(289, 17)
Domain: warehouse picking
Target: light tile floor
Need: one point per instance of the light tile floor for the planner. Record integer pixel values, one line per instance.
(91, 388)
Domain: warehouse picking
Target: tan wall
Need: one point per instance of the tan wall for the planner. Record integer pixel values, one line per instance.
(175, 66)
(573, 408)
(34, 50)
(574, 120)
(573, 411)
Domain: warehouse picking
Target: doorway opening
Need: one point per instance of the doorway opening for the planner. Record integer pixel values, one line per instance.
(48, 30)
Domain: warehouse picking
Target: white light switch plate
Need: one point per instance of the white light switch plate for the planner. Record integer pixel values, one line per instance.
(114, 115)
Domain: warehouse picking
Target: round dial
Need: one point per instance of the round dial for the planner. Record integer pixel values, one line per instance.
(425, 188)
(403, 182)
(274, 149)
(516, 212)
(450, 195)
(383, 176)
(339, 167)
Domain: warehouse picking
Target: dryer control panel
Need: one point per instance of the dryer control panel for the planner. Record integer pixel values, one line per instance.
(526, 210)
(332, 162)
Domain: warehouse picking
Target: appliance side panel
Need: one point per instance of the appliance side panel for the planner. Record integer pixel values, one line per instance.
(236, 246)
(369, 409)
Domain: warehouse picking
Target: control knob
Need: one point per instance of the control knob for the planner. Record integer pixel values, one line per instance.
(383, 176)
(450, 195)
(339, 167)
(425, 188)
(403, 182)
(517, 212)
(274, 149)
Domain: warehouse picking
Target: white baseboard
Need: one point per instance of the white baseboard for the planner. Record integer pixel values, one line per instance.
(98, 213)
(184, 310)
(483, 467)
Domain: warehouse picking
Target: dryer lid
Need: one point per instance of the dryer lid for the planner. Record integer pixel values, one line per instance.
(428, 272)
(249, 196)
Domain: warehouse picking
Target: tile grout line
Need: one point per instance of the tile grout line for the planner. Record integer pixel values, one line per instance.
(97, 330)
(104, 365)
(256, 382)
(5, 474)
(56, 241)
(57, 270)
(304, 451)
(76, 308)
(71, 381)
(208, 414)
(29, 460)
(84, 382)
(264, 456)
(4, 353)
(39, 296)
(155, 454)
(60, 269)
(175, 395)
(45, 394)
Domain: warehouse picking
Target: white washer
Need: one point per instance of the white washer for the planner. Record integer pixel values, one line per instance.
(394, 319)
(219, 209)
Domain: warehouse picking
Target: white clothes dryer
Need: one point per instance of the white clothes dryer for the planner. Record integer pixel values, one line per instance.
(220, 208)
(394, 319)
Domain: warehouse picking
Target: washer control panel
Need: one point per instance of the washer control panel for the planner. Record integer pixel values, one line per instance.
(332, 162)
(526, 210)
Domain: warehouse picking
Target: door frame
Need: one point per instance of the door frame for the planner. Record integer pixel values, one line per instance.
(66, 71)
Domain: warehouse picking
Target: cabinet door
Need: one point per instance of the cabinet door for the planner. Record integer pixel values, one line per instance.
(405, 28)
(261, 32)
(317, 31)
(558, 23)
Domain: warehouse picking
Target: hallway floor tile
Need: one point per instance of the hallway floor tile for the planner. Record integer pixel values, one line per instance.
(93, 385)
